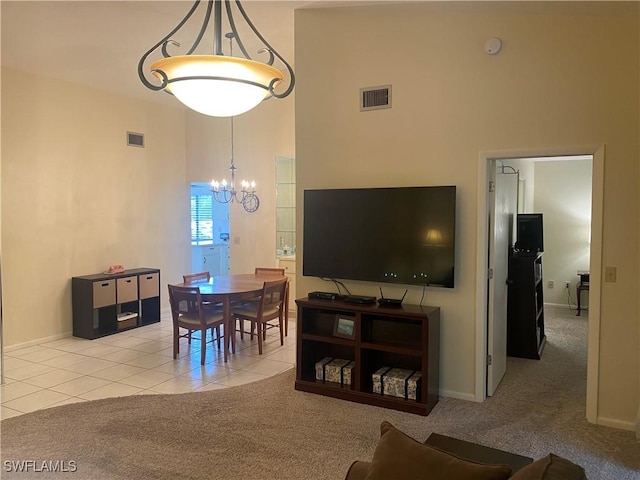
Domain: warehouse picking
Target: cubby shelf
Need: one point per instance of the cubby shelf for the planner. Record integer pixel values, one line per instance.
(99, 300)
(404, 337)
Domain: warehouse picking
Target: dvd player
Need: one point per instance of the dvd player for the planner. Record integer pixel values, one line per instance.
(359, 299)
(323, 295)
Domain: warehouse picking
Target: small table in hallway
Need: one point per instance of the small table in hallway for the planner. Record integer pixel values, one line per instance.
(583, 284)
(237, 287)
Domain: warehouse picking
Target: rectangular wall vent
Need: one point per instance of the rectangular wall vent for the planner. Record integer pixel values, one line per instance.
(135, 139)
(375, 98)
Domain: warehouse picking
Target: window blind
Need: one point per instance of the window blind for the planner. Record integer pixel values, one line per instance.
(201, 219)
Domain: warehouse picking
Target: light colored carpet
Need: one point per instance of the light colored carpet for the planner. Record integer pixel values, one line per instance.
(268, 430)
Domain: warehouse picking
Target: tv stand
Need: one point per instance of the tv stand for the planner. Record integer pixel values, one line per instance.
(406, 337)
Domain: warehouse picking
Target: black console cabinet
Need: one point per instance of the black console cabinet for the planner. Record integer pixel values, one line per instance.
(406, 337)
(109, 303)
(525, 307)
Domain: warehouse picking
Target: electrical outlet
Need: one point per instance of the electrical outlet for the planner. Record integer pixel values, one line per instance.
(567, 284)
(551, 284)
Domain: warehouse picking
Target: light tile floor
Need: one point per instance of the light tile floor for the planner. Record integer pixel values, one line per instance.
(133, 362)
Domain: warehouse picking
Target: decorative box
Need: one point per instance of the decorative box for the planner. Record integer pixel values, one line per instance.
(333, 370)
(414, 385)
(394, 382)
(377, 379)
(347, 373)
(320, 368)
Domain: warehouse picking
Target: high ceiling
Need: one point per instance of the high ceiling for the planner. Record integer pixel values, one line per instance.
(100, 43)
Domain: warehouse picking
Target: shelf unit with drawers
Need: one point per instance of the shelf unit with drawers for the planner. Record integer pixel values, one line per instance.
(405, 337)
(104, 304)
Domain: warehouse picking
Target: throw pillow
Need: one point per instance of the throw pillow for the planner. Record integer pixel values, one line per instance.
(400, 457)
(551, 467)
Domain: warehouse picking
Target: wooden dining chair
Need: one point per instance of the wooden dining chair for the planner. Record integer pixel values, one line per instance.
(270, 307)
(261, 271)
(188, 312)
(195, 277)
(281, 272)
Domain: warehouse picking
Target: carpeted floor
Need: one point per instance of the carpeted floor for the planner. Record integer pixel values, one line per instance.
(268, 430)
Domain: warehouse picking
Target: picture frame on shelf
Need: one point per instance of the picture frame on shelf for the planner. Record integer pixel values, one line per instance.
(344, 327)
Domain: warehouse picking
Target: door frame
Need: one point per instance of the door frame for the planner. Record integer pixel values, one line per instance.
(485, 158)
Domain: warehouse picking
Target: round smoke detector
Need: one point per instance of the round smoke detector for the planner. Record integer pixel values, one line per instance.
(493, 45)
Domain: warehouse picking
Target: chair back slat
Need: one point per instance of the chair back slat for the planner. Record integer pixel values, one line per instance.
(196, 277)
(184, 299)
(269, 271)
(273, 294)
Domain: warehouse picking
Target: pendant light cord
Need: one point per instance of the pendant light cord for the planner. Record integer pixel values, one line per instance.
(232, 141)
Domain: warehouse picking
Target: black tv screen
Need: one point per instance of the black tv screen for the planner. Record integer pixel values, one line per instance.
(393, 235)
(530, 236)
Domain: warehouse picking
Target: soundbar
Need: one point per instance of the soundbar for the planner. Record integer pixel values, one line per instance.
(323, 295)
(359, 299)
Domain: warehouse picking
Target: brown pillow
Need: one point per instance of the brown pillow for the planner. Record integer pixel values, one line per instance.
(400, 457)
(551, 467)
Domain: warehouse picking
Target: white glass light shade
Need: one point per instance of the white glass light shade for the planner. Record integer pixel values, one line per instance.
(246, 87)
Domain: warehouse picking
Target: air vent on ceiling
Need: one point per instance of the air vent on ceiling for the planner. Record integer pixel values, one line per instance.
(135, 139)
(375, 98)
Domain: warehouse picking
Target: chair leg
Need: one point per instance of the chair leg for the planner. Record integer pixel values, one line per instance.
(281, 332)
(232, 332)
(218, 335)
(259, 326)
(286, 311)
(176, 341)
(189, 337)
(241, 328)
(203, 345)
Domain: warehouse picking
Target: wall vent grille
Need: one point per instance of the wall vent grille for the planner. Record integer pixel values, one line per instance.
(375, 98)
(135, 139)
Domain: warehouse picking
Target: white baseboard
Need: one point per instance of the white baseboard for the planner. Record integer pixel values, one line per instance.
(458, 395)
(562, 305)
(614, 423)
(18, 346)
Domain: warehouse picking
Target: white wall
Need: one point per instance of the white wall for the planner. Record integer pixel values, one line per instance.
(452, 101)
(76, 199)
(563, 196)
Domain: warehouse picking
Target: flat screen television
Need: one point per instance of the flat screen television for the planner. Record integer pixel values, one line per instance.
(529, 237)
(393, 235)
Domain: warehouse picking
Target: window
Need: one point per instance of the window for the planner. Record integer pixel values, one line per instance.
(201, 219)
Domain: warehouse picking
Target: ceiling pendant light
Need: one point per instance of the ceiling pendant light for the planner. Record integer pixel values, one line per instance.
(215, 84)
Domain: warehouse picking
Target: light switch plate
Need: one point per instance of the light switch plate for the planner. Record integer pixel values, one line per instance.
(610, 274)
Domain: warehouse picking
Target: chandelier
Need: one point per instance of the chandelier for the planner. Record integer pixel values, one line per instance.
(215, 84)
(224, 192)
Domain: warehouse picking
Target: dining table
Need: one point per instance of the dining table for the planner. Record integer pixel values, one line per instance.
(235, 288)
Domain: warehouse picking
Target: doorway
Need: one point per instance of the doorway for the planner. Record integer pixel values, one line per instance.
(210, 250)
(487, 162)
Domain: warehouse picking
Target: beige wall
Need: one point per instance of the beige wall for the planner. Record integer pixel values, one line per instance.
(75, 198)
(563, 79)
